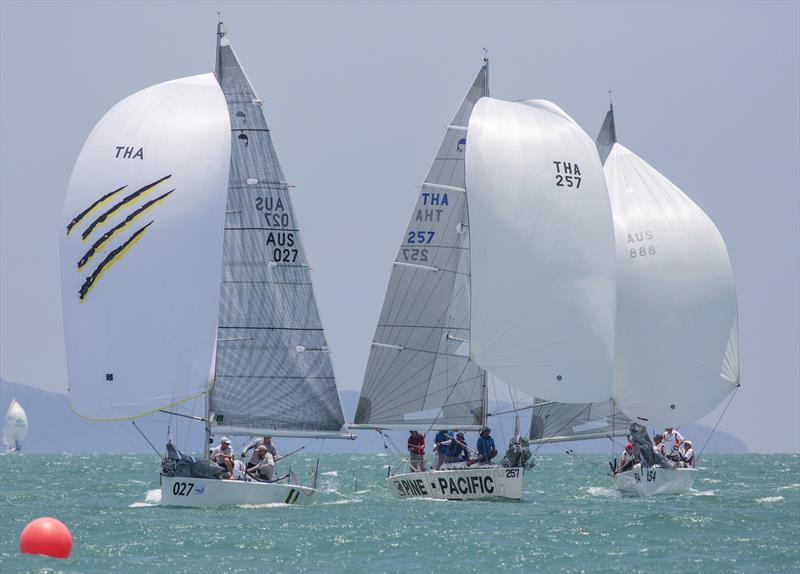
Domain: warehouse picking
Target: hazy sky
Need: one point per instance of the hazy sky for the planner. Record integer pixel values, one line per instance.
(357, 96)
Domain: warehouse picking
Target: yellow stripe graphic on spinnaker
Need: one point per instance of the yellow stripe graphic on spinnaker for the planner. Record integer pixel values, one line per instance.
(119, 205)
(77, 219)
(106, 263)
(113, 231)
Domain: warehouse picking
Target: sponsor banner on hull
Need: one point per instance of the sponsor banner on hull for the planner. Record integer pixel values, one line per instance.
(459, 484)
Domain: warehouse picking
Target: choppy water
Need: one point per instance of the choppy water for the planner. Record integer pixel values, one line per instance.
(743, 516)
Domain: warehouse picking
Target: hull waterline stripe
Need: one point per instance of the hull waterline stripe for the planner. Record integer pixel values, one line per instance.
(119, 205)
(109, 234)
(77, 219)
(106, 263)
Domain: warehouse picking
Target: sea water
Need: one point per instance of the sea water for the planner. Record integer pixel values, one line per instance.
(743, 515)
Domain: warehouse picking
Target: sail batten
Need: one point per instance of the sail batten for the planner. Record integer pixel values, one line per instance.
(414, 368)
(273, 366)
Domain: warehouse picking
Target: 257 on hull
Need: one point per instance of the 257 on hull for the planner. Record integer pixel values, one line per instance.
(461, 484)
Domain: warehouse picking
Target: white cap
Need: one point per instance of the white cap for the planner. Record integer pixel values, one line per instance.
(225, 439)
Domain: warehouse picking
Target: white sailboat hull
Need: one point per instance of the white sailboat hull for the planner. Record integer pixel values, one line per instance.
(482, 483)
(654, 480)
(211, 492)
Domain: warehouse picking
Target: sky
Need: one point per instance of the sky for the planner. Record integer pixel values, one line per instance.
(357, 96)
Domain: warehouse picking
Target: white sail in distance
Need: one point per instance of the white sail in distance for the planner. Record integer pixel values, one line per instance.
(15, 428)
(419, 372)
(141, 245)
(676, 352)
(543, 260)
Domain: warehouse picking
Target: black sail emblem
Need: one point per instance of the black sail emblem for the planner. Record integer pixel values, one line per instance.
(120, 250)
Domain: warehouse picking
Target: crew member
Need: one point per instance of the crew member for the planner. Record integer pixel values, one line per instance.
(672, 443)
(441, 445)
(485, 447)
(223, 455)
(458, 449)
(626, 461)
(254, 444)
(658, 444)
(687, 455)
(264, 468)
(416, 451)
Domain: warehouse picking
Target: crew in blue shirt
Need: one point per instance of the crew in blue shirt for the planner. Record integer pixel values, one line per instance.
(442, 443)
(486, 448)
(458, 449)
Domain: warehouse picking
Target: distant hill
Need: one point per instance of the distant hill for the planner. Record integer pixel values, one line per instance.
(54, 428)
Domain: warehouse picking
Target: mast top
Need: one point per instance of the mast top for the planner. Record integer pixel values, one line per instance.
(610, 102)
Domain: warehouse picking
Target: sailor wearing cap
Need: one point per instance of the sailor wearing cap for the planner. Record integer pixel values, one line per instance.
(627, 461)
(223, 455)
(485, 447)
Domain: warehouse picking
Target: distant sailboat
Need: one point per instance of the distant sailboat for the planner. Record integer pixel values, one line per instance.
(15, 428)
(184, 276)
(502, 288)
(676, 342)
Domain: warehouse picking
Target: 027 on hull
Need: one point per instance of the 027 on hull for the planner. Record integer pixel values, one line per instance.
(485, 483)
(211, 492)
(654, 480)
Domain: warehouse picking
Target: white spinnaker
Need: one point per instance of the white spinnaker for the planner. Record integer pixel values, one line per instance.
(676, 354)
(16, 425)
(543, 261)
(143, 336)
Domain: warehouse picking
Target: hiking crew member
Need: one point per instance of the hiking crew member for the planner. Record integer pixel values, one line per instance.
(626, 461)
(416, 451)
(264, 468)
(254, 444)
(458, 449)
(658, 444)
(485, 447)
(223, 455)
(687, 455)
(441, 445)
(672, 443)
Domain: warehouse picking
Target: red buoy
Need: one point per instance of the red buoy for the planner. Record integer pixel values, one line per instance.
(46, 536)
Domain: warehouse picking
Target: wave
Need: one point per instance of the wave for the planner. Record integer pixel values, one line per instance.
(330, 473)
(770, 499)
(795, 486)
(603, 492)
(152, 498)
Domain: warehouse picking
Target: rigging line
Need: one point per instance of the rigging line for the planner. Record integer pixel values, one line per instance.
(719, 420)
(160, 456)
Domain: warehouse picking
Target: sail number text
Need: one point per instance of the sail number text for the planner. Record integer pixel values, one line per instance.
(567, 174)
(283, 244)
(640, 244)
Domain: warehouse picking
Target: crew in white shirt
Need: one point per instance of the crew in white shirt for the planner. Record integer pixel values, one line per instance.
(264, 466)
(223, 455)
(658, 444)
(687, 455)
(672, 443)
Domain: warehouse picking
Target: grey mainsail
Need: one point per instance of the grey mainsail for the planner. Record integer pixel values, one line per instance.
(273, 368)
(419, 372)
(607, 136)
(554, 422)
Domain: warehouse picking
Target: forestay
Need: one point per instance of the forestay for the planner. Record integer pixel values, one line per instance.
(676, 354)
(419, 371)
(553, 422)
(543, 261)
(141, 244)
(273, 365)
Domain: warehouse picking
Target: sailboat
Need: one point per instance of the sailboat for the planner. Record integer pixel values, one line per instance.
(184, 278)
(501, 288)
(15, 428)
(676, 342)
